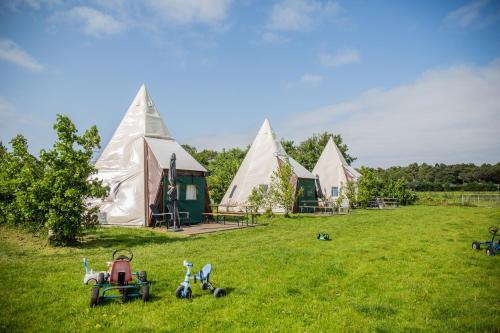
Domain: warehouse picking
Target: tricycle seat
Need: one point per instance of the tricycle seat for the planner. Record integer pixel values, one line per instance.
(120, 266)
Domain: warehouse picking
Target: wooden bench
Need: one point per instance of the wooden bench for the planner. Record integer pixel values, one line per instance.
(239, 217)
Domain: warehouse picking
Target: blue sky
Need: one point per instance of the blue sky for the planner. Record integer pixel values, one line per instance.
(401, 81)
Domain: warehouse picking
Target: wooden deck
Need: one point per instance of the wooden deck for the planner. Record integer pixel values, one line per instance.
(203, 228)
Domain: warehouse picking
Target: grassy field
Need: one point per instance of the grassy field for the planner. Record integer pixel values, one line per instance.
(410, 269)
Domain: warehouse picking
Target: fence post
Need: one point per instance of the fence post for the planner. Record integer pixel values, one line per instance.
(462, 199)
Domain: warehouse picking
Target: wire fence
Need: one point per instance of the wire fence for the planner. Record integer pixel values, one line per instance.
(491, 200)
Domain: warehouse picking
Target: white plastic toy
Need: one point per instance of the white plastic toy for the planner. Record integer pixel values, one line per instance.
(90, 275)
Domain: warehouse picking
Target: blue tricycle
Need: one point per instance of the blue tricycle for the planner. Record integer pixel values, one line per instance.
(119, 278)
(491, 247)
(203, 276)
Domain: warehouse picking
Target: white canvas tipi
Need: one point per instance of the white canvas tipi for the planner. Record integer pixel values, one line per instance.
(134, 161)
(333, 171)
(261, 160)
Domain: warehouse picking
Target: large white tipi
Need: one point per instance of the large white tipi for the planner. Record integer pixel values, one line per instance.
(333, 171)
(134, 164)
(262, 159)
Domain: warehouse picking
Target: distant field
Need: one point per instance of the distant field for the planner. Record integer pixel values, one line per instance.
(471, 199)
(409, 269)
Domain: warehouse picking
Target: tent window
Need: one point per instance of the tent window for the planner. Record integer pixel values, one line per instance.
(335, 191)
(232, 191)
(190, 192)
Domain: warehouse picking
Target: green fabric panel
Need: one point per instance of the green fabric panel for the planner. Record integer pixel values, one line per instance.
(195, 207)
(309, 192)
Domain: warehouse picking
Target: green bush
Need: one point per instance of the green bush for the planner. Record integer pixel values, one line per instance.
(370, 186)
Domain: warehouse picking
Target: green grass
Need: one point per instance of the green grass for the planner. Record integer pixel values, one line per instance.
(410, 269)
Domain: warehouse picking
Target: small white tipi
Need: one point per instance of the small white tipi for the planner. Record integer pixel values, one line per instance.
(333, 171)
(262, 159)
(134, 164)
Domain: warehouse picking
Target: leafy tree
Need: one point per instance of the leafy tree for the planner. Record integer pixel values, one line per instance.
(282, 188)
(204, 157)
(223, 168)
(398, 189)
(66, 185)
(308, 152)
(350, 192)
(19, 173)
(368, 186)
(259, 199)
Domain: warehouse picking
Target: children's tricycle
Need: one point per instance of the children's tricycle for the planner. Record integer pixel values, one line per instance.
(323, 236)
(203, 276)
(119, 278)
(491, 247)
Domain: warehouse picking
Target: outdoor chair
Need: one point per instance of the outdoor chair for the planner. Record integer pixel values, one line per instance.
(158, 218)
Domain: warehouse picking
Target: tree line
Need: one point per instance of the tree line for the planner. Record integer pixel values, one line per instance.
(381, 182)
(442, 177)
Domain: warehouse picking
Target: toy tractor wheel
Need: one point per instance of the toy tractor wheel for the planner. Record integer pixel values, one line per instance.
(204, 286)
(476, 246)
(94, 296)
(219, 292)
(100, 278)
(143, 276)
(490, 251)
(145, 292)
(179, 290)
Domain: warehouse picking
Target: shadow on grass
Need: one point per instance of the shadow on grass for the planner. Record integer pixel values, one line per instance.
(126, 240)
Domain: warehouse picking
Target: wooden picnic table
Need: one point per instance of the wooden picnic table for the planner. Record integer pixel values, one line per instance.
(247, 214)
(381, 203)
(315, 209)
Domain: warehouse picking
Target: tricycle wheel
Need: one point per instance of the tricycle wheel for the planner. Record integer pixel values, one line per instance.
(204, 286)
(490, 251)
(143, 276)
(219, 292)
(145, 292)
(124, 295)
(100, 278)
(178, 292)
(94, 296)
(476, 246)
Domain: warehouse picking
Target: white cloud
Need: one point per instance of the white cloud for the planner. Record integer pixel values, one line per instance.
(475, 13)
(191, 11)
(32, 4)
(297, 15)
(94, 23)
(342, 57)
(311, 78)
(11, 52)
(271, 37)
(450, 115)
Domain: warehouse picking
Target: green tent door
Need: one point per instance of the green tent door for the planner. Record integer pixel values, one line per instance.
(309, 192)
(191, 196)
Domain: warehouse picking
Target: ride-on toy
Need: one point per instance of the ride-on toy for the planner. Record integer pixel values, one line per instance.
(491, 247)
(119, 278)
(323, 236)
(203, 276)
